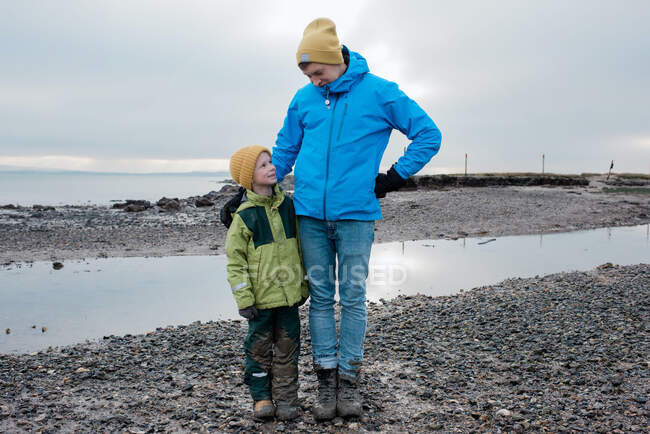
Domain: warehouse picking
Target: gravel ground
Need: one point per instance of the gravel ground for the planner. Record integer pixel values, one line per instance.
(29, 234)
(561, 353)
(565, 352)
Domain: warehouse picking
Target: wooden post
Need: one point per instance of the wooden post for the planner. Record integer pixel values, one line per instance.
(542, 164)
(465, 163)
(611, 166)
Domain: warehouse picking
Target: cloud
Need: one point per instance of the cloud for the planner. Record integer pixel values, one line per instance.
(122, 165)
(167, 80)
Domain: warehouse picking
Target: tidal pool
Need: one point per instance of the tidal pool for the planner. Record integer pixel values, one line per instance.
(115, 296)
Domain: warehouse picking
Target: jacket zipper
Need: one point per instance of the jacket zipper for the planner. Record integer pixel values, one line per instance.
(274, 210)
(327, 167)
(345, 110)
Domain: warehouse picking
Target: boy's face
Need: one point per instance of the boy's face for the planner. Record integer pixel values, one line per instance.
(321, 74)
(264, 171)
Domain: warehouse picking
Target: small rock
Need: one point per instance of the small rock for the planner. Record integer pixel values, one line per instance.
(605, 266)
(82, 370)
(135, 208)
(617, 379)
(8, 331)
(44, 208)
(133, 205)
(203, 202)
(504, 413)
(57, 265)
(43, 329)
(338, 421)
(169, 204)
(227, 189)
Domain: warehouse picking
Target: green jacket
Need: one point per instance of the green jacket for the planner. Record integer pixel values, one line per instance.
(264, 261)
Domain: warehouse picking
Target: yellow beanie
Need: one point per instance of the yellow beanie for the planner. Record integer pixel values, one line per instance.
(242, 164)
(320, 44)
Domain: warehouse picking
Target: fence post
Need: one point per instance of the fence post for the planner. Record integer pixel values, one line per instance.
(611, 166)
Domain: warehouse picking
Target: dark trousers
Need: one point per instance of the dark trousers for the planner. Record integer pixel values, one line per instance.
(272, 348)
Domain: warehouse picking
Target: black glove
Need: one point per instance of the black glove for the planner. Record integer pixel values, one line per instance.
(249, 313)
(230, 207)
(389, 181)
(302, 301)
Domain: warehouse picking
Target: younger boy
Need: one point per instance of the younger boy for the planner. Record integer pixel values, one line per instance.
(267, 279)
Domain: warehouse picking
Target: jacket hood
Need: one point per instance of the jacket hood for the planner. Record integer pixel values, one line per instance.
(357, 68)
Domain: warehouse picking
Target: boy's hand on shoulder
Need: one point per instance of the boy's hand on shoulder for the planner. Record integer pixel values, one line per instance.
(249, 313)
(390, 181)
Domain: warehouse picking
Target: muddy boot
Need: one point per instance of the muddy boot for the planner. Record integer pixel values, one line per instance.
(325, 407)
(286, 411)
(264, 409)
(348, 403)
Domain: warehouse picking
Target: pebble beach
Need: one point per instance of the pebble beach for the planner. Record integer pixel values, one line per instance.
(560, 353)
(565, 352)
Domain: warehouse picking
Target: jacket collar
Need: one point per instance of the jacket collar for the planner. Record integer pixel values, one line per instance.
(273, 201)
(357, 68)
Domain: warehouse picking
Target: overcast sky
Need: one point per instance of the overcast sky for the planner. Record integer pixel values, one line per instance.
(162, 85)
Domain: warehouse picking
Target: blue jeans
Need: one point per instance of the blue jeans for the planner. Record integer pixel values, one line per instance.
(323, 242)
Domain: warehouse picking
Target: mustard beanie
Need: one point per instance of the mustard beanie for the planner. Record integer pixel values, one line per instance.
(320, 44)
(242, 164)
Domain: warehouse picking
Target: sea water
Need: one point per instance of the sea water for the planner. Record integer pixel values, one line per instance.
(114, 296)
(28, 188)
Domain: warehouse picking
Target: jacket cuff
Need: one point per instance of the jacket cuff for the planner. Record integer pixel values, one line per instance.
(243, 296)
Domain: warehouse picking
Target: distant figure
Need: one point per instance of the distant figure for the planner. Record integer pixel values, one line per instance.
(267, 279)
(335, 132)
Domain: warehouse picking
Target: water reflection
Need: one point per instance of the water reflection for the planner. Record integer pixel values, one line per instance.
(94, 298)
(442, 267)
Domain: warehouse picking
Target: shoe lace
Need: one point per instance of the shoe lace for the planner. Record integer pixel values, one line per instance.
(348, 390)
(327, 389)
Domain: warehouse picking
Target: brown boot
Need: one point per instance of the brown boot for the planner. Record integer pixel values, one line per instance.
(325, 407)
(348, 403)
(264, 409)
(286, 411)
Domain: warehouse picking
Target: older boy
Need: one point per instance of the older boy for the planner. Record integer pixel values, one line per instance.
(335, 132)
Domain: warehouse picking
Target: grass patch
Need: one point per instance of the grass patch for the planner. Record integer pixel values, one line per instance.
(635, 190)
(514, 174)
(632, 176)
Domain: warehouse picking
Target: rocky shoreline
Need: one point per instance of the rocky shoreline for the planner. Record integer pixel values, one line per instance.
(561, 353)
(433, 208)
(565, 352)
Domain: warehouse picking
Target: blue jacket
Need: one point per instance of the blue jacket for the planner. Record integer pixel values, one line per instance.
(337, 149)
